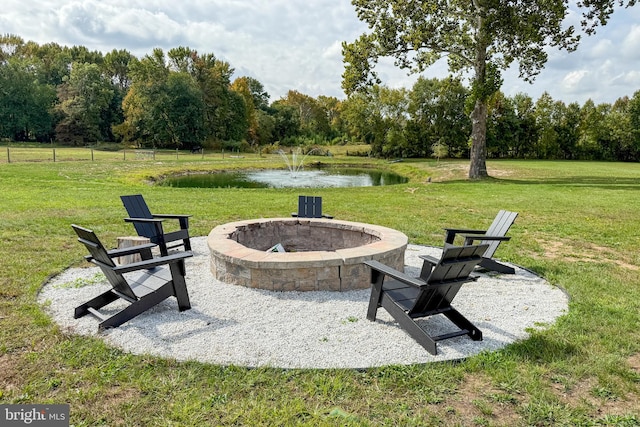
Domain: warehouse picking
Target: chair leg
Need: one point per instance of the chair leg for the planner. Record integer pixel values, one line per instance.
(376, 294)
(163, 249)
(450, 236)
(137, 307)
(179, 285)
(146, 254)
(463, 323)
(159, 239)
(96, 303)
(493, 265)
(184, 225)
(409, 325)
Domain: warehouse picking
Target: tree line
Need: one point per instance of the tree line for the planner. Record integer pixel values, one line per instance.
(183, 99)
(433, 119)
(481, 38)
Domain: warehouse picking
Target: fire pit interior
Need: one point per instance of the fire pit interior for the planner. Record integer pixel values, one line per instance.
(318, 254)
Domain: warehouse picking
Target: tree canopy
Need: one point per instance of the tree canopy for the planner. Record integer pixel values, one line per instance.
(182, 98)
(480, 37)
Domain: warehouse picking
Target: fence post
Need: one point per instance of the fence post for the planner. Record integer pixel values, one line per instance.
(176, 154)
(54, 155)
(92, 154)
(8, 156)
(124, 154)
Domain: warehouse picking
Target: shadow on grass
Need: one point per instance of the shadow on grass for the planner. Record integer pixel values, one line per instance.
(542, 347)
(607, 183)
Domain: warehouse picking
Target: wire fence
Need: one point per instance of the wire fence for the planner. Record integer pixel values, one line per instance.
(14, 154)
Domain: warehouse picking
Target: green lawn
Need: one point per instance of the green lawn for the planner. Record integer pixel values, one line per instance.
(578, 227)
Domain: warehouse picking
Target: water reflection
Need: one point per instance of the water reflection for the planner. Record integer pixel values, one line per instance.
(315, 178)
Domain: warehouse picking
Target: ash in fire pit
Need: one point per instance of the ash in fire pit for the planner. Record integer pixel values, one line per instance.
(319, 254)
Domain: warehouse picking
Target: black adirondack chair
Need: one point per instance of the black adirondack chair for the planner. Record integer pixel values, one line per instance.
(406, 298)
(493, 236)
(157, 279)
(310, 207)
(150, 225)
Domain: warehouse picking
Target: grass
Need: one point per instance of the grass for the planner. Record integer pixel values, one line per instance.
(578, 227)
(18, 152)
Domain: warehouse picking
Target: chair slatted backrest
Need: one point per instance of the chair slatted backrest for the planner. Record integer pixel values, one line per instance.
(102, 259)
(137, 208)
(499, 227)
(447, 277)
(309, 207)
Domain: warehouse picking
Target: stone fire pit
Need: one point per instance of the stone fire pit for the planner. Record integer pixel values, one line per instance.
(321, 254)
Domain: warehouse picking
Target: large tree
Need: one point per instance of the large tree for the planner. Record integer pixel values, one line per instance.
(378, 116)
(83, 99)
(164, 105)
(116, 66)
(483, 37)
(313, 117)
(25, 103)
(437, 110)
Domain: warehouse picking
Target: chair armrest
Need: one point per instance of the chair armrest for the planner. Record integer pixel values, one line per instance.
(130, 250)
(150, 220)
(450, 233)
(470, 238)
(427, 266)
(182, 219)
(428, 258)
(154, 262)
(175, 216)
(157, 223)
(391, 272)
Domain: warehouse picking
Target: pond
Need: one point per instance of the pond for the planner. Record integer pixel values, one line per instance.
(282, 178)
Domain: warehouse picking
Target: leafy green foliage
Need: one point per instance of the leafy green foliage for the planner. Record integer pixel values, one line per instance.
(25, 103)
(84, 97)
(483, 38)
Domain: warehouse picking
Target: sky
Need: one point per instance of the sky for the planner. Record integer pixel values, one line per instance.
(297, 44)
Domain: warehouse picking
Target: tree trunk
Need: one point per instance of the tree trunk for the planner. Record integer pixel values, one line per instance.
(478, 165)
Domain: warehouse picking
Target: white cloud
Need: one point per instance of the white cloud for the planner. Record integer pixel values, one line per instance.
(334, 51)
(629, 80)
(631, 43)
(288, 44)
(603, 48)
(574, 80)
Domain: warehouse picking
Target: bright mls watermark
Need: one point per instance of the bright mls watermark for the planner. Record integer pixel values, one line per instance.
(34, 415)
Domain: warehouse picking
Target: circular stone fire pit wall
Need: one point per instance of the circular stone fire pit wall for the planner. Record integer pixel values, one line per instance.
(320, 254)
